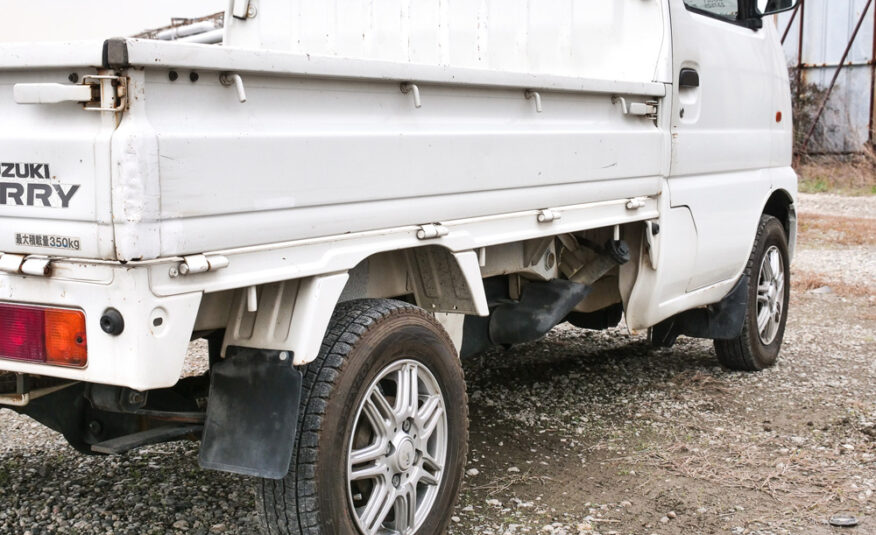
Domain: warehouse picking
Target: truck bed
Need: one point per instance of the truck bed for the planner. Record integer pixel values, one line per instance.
(322, 146)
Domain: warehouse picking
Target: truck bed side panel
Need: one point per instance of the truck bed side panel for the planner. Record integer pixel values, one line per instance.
(307, 157)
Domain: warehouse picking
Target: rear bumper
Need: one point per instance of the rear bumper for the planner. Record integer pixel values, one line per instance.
(148, 354)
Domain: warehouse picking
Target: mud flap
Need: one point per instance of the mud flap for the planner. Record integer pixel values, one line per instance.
(721, 321)
(252, 414)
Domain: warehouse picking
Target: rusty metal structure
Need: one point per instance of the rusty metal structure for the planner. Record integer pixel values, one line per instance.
(831, 45)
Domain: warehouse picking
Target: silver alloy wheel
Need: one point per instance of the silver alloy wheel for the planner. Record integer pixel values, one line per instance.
(770, 295)
(398, 449)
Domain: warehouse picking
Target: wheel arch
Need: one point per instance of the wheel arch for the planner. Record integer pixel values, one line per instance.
(293, 315)
(781, 205)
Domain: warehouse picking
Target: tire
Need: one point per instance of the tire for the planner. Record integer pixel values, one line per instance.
(757, 347)
(370, 347)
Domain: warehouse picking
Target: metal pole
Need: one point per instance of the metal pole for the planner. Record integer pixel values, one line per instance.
(872, 85)
(791, 22)
(835, 76)
(799, 73)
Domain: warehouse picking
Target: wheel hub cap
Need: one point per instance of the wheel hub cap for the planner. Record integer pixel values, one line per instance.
(397, 451)
(770, 295)
(405, 455)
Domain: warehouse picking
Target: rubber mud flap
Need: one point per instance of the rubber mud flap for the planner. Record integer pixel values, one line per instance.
(252, 414)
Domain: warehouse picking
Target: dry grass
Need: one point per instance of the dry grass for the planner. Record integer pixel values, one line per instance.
(802, 479)
(804, 281)
(836, 230)
(844, 174)
(506, 482)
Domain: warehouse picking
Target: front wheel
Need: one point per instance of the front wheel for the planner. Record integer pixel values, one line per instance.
(383, 429)
(768, 271)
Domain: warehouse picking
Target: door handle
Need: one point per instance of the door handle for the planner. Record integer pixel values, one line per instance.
(689, 78)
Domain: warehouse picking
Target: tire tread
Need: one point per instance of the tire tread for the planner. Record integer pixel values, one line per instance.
(275, 500)
(736, 353)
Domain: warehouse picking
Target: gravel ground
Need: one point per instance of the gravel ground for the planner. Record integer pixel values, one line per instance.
(847, 263)
(842, 205)
(580, 433)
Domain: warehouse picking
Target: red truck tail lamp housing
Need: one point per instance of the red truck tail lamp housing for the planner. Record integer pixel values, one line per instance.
(44, 335)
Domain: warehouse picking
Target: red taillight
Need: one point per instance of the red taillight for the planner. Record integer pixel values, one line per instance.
(51, 335)
(21, 333)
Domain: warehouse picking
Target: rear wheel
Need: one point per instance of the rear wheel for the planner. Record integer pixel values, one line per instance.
(383, 430)
(768, 269)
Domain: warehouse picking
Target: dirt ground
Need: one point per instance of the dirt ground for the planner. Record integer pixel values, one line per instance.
(581, 433)
(596, 432)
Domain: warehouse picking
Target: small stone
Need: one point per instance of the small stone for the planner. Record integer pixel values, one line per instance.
(664, 520)
(626, 504)
(455, 518)
(514, 470)
(843, 521)
(671, 514)
(471, 472)
(181, 524)
(494, 502)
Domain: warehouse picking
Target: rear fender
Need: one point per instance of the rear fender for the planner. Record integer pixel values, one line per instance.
(293, 315)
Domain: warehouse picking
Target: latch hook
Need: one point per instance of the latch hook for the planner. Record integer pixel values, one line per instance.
(229, 79)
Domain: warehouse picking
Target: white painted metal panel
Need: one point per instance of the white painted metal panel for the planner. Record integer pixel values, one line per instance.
(48, 55)
(724, 134)
(54, 168)
(616, 40)
(146, 355)
(327, 145)
(305, 158)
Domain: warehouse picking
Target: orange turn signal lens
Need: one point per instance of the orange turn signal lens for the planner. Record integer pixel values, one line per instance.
(66, 344)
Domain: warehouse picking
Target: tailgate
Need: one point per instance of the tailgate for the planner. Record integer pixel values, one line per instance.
(54, 158)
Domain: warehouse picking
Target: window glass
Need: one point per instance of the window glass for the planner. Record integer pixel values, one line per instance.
(727, 9)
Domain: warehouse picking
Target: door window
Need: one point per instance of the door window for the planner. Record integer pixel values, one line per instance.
(725, 9)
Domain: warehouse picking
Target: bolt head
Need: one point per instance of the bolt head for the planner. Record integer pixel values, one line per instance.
(396, 480)
(406, 426)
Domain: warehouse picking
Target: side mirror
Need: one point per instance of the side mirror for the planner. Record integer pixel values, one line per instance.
(769, 7)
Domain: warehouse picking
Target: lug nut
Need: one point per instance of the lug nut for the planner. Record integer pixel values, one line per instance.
(406, 426)
(396, 480)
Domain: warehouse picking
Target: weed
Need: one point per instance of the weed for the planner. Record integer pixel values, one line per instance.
(848, 174)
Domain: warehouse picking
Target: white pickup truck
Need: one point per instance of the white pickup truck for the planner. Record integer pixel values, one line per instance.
(344, 198)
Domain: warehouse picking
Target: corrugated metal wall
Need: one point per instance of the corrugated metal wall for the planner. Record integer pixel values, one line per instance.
(827, 27)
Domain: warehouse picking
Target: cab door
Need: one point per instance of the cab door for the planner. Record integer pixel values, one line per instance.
(725, 74)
